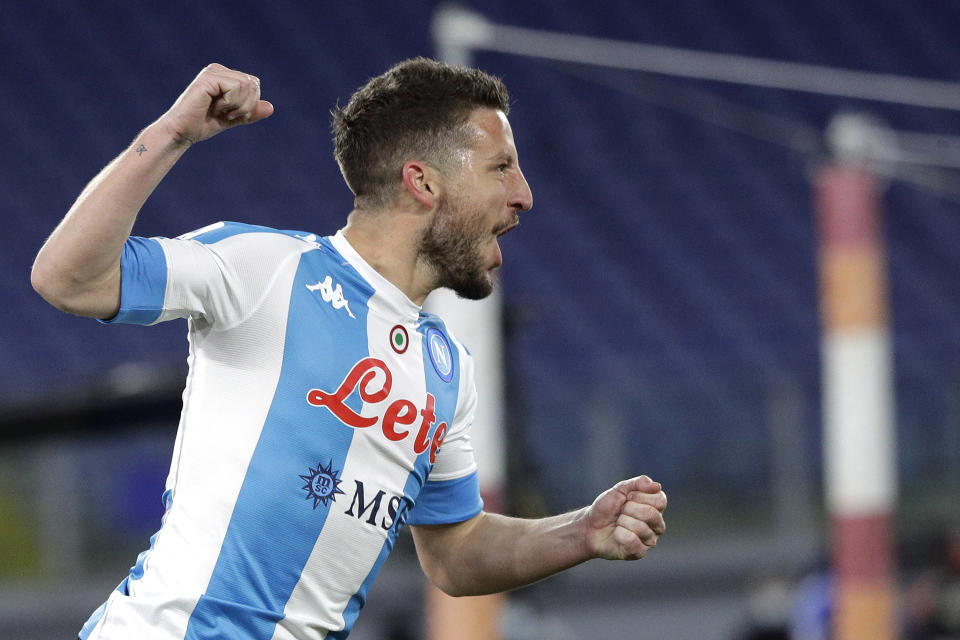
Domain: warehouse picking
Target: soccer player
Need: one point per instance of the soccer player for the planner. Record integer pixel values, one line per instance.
(323, 409)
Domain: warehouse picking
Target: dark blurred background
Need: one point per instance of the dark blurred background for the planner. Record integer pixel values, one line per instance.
(660, 301)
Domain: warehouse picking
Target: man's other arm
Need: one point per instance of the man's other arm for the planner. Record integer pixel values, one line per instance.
(78, 267)
(491, 553)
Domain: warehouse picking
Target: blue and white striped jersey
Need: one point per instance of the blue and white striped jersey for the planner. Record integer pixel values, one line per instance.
(317, 399)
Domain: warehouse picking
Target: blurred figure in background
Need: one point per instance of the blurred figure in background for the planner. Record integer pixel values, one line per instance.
(932, 601)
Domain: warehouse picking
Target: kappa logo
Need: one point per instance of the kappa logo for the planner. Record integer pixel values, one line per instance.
(331, 294)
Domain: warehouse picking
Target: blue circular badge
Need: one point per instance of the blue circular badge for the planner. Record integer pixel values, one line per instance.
(440, 356)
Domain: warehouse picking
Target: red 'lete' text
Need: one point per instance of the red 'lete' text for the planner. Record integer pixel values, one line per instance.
(398, 414)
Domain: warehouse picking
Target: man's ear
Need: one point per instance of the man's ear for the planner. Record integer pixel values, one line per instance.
(422, 182)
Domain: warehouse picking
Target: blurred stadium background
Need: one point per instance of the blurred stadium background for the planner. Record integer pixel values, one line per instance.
(660, 302)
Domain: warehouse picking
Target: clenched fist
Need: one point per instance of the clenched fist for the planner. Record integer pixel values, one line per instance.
(217, 99)
(626, 521)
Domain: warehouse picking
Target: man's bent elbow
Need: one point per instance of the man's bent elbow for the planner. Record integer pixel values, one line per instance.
(70, 295)
(44, 283)
(451, 589)
(457, 588)
(441, 578)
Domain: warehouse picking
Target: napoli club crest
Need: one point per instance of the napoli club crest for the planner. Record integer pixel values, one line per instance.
(322, 484)
(440, 356)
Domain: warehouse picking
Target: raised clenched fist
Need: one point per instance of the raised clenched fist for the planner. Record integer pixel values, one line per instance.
(217, 99)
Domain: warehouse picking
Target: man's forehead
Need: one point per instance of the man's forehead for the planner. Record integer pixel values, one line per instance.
(493, 131)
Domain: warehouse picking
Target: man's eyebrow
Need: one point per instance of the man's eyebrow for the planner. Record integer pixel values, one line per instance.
(503, 155)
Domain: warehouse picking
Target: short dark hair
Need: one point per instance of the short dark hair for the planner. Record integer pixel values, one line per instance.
(417, 109)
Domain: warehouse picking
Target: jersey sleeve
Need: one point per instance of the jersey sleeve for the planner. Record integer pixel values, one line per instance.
(216, 275)
(452, 490)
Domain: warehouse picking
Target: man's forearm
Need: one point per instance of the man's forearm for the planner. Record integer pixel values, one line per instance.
(491, 553)
(78, 268)
(498, 553)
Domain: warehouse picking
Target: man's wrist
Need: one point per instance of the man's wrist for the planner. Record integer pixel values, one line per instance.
(159, 137)
(582, 531)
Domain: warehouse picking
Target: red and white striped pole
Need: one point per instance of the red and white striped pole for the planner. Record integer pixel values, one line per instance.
(858, 418)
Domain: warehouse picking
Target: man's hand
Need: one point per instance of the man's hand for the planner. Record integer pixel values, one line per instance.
(217, 99)
(625, 522)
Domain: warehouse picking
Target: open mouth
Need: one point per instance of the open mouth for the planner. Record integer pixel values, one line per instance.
(509, 226)
(498, 231)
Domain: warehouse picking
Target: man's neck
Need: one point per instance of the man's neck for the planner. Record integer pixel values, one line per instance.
(389, 241)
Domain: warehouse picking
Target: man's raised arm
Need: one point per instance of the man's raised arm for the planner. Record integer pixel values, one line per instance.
(78, 267)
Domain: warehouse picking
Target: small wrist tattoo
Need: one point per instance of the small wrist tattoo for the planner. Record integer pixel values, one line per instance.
(140, 150)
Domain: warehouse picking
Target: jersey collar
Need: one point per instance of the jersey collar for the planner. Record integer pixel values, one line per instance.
(388, 292)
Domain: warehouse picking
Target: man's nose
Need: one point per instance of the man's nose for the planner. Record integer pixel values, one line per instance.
(523, 196)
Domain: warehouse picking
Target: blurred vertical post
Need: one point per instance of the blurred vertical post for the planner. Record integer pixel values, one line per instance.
(859, 439)
(479, 326)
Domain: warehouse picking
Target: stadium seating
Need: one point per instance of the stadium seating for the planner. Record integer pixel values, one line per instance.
(665, 282)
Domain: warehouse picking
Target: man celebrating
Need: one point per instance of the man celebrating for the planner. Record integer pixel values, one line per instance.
(323, 409)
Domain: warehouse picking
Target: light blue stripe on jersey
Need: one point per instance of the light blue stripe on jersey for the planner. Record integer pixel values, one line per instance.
(448, 501)
(275, 522)
(95, 617)
(136, 572)
(446, 395)
(143, 282)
